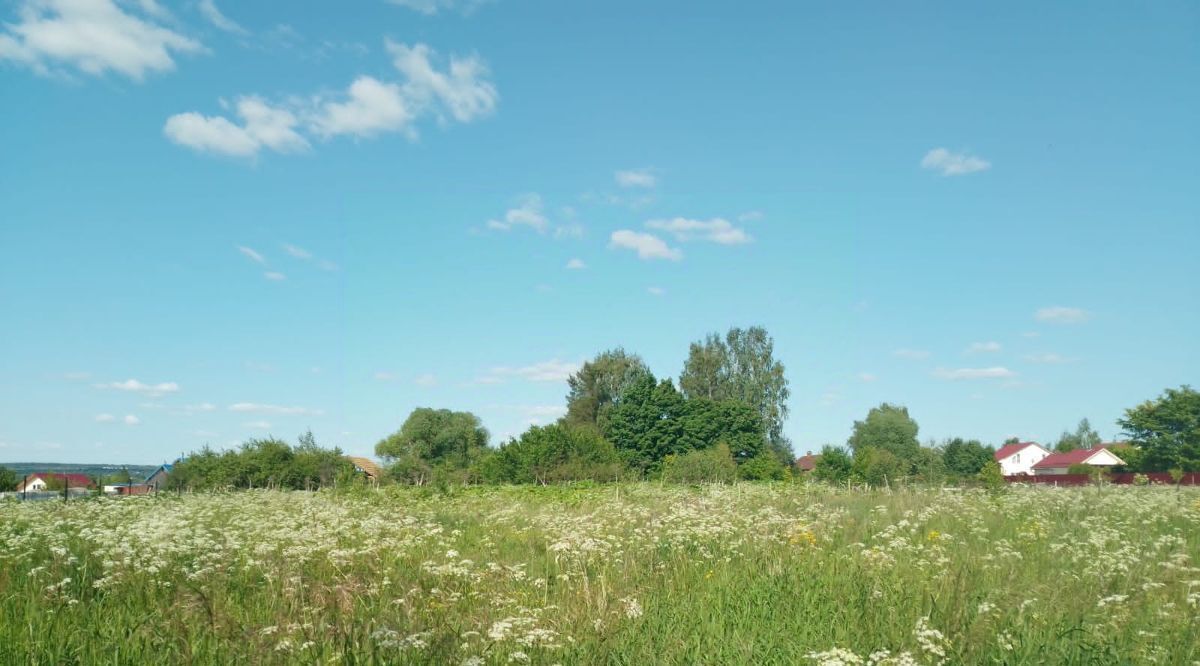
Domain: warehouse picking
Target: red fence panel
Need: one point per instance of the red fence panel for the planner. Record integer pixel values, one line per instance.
(1189, 479)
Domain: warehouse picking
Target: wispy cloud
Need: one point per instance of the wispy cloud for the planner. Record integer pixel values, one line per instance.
(258, 425)
(383, 376)
(208, 9)
(431, 7)
(426, 380)
(259, 408)
(131, 420)
(527, 213)
(716, 230)
(105, 418)
(297, 252)
(460, 92)
(643, 178)
(1048, 358)
(252, 254)
(94, 37)
(647, 246)
(576, 264)
(553, 370)
(1059, 314)
(867, 377)
(996, 372)
(984, 347)
(135, 386)
(274, 276)
(656, 291)
(953, 164)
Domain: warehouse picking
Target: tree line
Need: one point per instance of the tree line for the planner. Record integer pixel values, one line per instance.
(263, 463)
(726, 416)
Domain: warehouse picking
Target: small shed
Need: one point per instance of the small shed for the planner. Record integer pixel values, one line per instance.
(367, 467)
(158, 479)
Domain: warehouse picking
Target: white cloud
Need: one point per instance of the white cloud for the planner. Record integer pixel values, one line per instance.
(131, 420)
(297, 252)
(983, 347)
(953, 164)
(463, 91)
(647, 246)
(426, 380)
(199, 408)
(263, 126)
(553, 370)
(996, 372)
(372, 107)
(327, 265)
(1048, 358)
(1058, 314)
(251, 254)
(636, 178)
(258, 408)
(911, 354)
(1031, 334)
(385, 376)
(105, 418)
(867, 377)
(431, 7)
(274, 276)
(134, 386)
(258, 425)
(528, 213)
(208, 8)
(750, 216)
(576, 264)
(656, 291)
(716, 230)
(93, 36)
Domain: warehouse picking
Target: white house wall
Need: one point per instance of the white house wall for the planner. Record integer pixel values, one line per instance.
(1022, 461)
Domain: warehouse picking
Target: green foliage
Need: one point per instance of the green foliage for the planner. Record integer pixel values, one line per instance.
(8, 480)
(1080, 468)
(742, 367)
(712, 465)
(1084, 437)
(599, 385)
(1167, 430)
(1141, 480)
(879, 467)
(434, 443)
(764, 467)
(929, 465)
(887, 428)
(653, 421)
(1176, 475)
(553, 453)
(965, 458)
(991, 476)
(834, 465)
(261, 463)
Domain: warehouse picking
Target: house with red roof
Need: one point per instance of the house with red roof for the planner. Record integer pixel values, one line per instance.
(1060, 463)
(41, 481)
(807, 462)
(1019, 458)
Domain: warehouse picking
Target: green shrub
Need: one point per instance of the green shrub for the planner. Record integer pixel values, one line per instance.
(711, 465)
(764, 467)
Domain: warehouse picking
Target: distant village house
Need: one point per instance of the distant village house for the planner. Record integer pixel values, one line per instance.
(1018, 458)
(1060, 463)
(40, 482)
(366, 467)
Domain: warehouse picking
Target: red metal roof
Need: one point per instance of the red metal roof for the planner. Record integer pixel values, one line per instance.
(1067, 459)
(1009, 449)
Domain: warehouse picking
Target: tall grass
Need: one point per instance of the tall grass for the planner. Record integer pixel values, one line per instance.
(618, 574)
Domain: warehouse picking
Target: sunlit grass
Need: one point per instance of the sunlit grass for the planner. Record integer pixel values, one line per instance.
(624, 574)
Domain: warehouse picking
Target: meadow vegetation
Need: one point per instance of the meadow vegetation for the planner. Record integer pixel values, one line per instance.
(619, 573)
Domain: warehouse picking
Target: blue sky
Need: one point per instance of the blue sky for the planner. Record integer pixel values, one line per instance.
(226, 220)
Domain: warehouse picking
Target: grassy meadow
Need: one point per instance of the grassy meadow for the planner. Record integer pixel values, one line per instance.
(615, 574)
